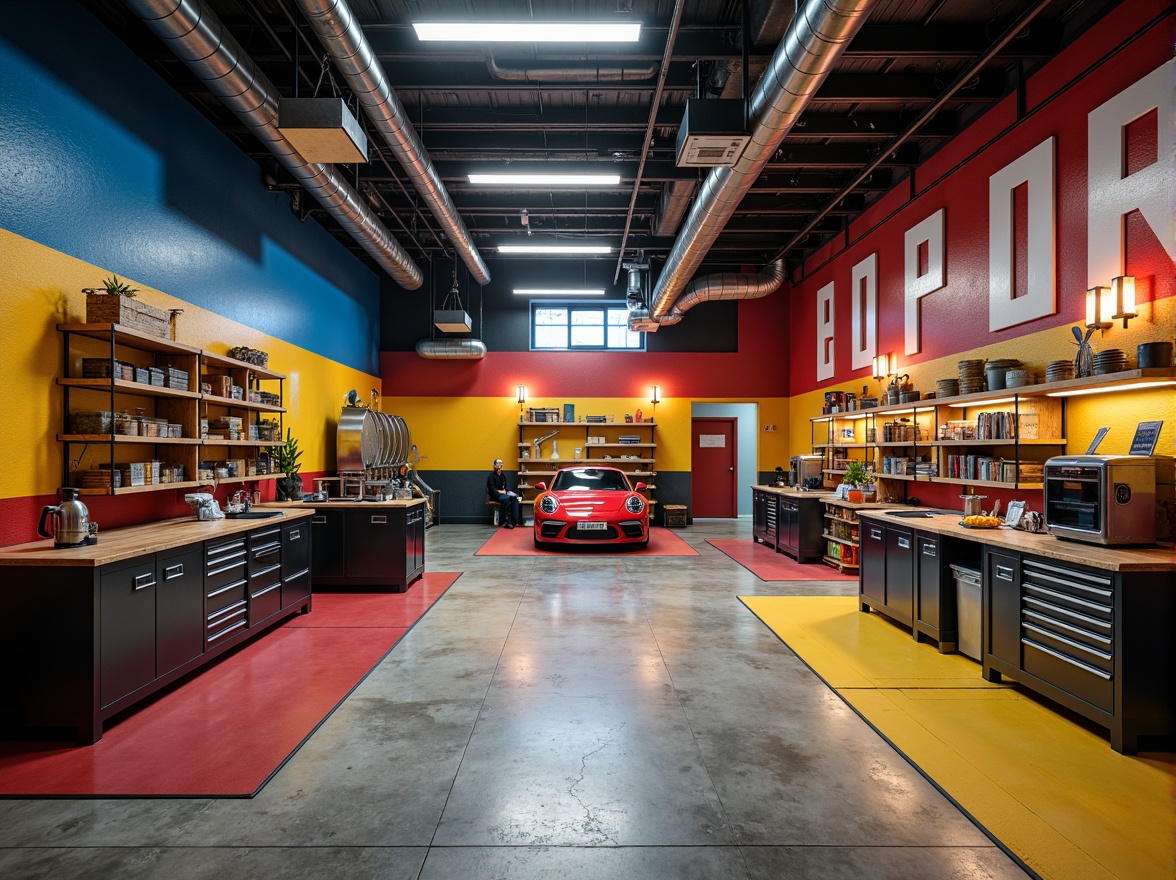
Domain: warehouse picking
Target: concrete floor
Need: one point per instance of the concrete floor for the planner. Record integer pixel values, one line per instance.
(583, 717)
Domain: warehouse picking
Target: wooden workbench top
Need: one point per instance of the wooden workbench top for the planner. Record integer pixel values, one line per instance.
(332, 505)
(1110, 558)
(131, 541)
(793, 492)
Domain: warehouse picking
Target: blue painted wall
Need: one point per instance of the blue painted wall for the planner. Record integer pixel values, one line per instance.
(101, 160)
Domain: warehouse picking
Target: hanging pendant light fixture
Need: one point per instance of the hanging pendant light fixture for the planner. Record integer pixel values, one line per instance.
(452, 316)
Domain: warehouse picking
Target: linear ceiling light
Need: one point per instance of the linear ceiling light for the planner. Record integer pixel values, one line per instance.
(1135, 386)
(546, 179)
(555, 291)
(528, 31)
(554, 249)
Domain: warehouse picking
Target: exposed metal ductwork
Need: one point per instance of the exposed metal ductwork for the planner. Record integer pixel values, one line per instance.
(674, 201)
(451, 349)
(588, 72)
(709, 288)
(341, 35)
(812, 43)
(199, 39)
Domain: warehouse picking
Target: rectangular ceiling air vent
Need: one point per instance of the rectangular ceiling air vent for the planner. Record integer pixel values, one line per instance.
(711, 133)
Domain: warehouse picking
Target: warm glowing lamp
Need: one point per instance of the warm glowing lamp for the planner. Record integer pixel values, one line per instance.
(522, 389)
(1099, 307)
(882, 366)
(1123, 295)
(656, 398)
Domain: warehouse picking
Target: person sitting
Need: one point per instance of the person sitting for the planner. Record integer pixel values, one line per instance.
(498, 492)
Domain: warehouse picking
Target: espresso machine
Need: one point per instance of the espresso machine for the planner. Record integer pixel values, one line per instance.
(804, 468)
(71, 522)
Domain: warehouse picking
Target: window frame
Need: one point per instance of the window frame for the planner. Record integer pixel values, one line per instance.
(579, 305)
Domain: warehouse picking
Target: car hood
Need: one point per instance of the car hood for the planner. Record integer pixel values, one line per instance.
(582, 504)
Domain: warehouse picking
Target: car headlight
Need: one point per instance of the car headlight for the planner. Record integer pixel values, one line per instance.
(635, 504)
(548, 504)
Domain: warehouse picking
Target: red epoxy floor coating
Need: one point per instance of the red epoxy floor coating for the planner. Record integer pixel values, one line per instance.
(521, 542)
(768, 565)
(224, 732)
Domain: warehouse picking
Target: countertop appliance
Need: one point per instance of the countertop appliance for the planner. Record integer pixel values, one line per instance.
(1101, 499)
(71, 522)
(802, 468)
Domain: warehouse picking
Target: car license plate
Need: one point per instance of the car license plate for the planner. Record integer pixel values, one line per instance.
(586, 526)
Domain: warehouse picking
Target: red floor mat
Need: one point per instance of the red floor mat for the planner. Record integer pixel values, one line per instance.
(521, 542)
(768, 565)
(226, 731)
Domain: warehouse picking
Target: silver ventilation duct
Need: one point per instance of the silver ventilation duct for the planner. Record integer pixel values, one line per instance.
(812, 44)
(451, 349)
(199, 39)
(709, 288)
(581, 73)
(342, 36)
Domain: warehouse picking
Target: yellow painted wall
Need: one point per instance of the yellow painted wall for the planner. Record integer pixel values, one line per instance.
(40, 287)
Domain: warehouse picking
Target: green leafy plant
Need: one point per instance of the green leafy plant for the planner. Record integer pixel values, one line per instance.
(286, 456)
(114, 287)
(856, 475)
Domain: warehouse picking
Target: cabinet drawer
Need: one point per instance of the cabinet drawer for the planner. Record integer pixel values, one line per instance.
(295, 548)
(225, 621)
(265, 602)
(1085, 681)
(264, 557)
(220, 597)
(224, 563)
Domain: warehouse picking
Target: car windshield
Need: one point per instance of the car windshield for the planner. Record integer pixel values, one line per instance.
(589, 479)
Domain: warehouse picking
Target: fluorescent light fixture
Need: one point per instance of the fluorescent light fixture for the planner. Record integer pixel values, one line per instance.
(523, 179)
(555, 291)
(528, 31)
(554, 249)
(1136, 386)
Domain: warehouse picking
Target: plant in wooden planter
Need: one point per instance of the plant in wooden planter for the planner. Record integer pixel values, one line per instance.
(856, 476)
(115, 303)
(286, 457)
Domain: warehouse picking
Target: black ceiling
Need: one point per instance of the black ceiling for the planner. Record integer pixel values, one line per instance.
(526, 103)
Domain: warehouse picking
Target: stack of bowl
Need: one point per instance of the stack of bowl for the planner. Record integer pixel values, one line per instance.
(996, 370)
(1018, 378)
(947, 387)
(971, 376)
(1113, 360)
(1058, 371)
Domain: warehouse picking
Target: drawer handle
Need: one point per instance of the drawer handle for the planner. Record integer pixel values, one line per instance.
(1046, 622)
(876, 534)
(215, 571)
(237, 607)
(173, 571)
(219, 558)
(223, 633)
(1069, 573)
(225, 589)
(318, 519)
(1004, 573)
(379, 518)
(1077, 646)
(266, 590)
(143, 581)
(904, 543)
(296, 534)
(929, 550)
(1105, 676)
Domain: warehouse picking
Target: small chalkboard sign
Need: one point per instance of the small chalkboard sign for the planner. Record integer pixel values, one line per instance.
(1147, 434)
(1098, 438)
(569, 412)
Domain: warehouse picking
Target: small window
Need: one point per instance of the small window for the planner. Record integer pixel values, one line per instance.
(598, 326)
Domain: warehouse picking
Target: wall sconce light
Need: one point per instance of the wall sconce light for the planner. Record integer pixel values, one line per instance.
(1123, 294)
(883, 366)
(656, 398)
(522, 399)
(1099, 306)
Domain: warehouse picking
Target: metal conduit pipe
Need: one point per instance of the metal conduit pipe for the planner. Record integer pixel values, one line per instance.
(198, 38)
(343, 37)
(451, 349)
(583, 73)
(814, 41)
(721, 286)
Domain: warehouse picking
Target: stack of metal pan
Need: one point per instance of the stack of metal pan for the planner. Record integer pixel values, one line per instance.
(1113, 360)
(971, 376)
(1059, 371)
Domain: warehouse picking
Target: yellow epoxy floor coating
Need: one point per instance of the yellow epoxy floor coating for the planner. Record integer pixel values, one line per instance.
(1051, 790)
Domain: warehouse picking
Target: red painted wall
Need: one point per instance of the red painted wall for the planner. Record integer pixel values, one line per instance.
(955, 319)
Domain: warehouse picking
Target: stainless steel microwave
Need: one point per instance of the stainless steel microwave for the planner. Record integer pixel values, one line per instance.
(1101, 499)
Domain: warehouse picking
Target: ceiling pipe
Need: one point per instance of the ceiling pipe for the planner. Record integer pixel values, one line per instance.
(813, 42)
(590, 72)
(711, 288)
(343, 37)
(451, 349)
(198, 38)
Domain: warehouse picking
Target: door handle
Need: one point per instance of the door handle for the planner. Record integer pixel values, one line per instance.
(731, 469)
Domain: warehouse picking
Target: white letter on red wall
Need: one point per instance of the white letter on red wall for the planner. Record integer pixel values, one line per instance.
(825, 332)
(864, 289)
(1035, 168)
(917, 286)
(1148, 190)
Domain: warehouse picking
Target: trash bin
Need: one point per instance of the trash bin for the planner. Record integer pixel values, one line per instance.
(967, 583)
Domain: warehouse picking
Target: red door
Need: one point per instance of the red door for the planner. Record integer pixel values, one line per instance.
(712, 468)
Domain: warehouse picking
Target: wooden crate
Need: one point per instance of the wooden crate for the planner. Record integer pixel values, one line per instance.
(103, 308)
(674, 516)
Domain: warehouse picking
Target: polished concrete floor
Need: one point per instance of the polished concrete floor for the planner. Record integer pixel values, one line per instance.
(585, 717)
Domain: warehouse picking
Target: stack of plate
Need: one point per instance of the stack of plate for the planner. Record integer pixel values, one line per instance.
(1018, 378)
(971, 376)
(947, 387)
(1110, 361)
(1058, 371)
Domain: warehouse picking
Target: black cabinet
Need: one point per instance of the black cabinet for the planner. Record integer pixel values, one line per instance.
(265, 576)
(327, 528)
(935, 599)
(179, 609)
(900, 574)
(378, 546)
(872, 570)
(296, 553)
(1000, 633)
(127, 630)
(765, 518)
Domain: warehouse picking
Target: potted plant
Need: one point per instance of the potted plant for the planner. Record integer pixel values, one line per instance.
(855, 477)
(115, 303)
(286, 457)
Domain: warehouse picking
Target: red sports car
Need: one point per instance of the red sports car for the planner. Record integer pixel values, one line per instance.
(591, 505)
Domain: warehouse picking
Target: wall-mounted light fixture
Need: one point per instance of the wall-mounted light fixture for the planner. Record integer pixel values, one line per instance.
(1100, 305)
(1123, 294)
(656, 398)
(883, 366)
(522, 389)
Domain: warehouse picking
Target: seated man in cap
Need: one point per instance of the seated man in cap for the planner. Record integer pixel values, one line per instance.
(498, 492)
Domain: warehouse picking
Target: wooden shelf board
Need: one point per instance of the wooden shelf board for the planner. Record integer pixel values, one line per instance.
(994, 484)
(1048, 441)
(124, 438)
(129, 337)
(124, 386)
(223, 361)
(232, 403)
(839, 540)
(838, 564)
(526, 424)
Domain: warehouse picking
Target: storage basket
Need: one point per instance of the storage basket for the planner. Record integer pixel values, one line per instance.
(142, 375)
(250, 356)
(100, 368)
(105, 308)
(174, 378)
(90, 422)
(126, 424)
(674, 516)
(155, 376)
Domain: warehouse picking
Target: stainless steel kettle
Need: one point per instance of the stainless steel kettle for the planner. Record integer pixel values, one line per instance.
(71, 522)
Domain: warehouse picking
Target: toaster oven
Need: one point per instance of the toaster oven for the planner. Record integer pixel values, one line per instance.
(1101, 499)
